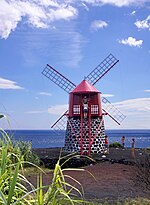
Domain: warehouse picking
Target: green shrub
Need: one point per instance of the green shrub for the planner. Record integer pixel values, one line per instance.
(13, 184)
(148, 148)
(115, 145)
(137, 201)
(25, 150)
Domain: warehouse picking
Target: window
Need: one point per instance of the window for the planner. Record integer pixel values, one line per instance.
(76, 109)
(94, 109)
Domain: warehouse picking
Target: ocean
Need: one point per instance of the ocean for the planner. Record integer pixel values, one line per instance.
(51, 139)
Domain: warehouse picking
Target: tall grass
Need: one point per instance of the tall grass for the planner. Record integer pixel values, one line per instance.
(11, 187)
(59, 191)
(13, 183)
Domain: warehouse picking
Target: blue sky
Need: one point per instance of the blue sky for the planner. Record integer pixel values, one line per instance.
(73, 36)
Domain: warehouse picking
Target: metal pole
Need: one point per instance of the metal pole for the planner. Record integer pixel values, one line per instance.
(81, 133)
(89, 131)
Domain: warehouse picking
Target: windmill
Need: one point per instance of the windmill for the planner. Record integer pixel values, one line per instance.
(84, 120)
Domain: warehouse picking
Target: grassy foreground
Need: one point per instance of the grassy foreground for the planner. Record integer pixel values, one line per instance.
(13, 183)
(15, 189)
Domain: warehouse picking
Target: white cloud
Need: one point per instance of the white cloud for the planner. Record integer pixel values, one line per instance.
(98, 24)
(76, 41)
(135, 105)
(70, 41)
(131, 42)
(36, 112)
(62, 13)
(144, 24)
(57, 109)
(47, 3)
(45, 93)
(147, 91)
(8, 84)
(40, 14)
(137, 113)
(107, 95)
(85, 6)
(132, 13)
(118, 3)
(9, 18)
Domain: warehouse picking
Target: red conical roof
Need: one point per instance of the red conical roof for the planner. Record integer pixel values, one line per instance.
(85, 87)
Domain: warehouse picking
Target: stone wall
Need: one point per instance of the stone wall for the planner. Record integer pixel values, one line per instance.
(72, 140)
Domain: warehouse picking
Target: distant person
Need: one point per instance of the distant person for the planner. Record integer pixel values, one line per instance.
(132, 143)
(132, 148)
(85, 106)
(123, 141)
(106, 144)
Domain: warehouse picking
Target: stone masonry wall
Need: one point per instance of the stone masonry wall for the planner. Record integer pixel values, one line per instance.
(71, 142)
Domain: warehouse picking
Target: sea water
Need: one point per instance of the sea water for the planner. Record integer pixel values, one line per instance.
(50, 138)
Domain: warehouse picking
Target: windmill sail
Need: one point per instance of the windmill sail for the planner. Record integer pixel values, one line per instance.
(102, 69)
(58, 78)
(61, 123)
(112, 111)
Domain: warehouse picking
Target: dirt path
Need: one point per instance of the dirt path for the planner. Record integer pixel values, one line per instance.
(112, 182)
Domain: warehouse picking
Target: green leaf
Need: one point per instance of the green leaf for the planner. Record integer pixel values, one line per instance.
(13, 184)
(2, 196)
